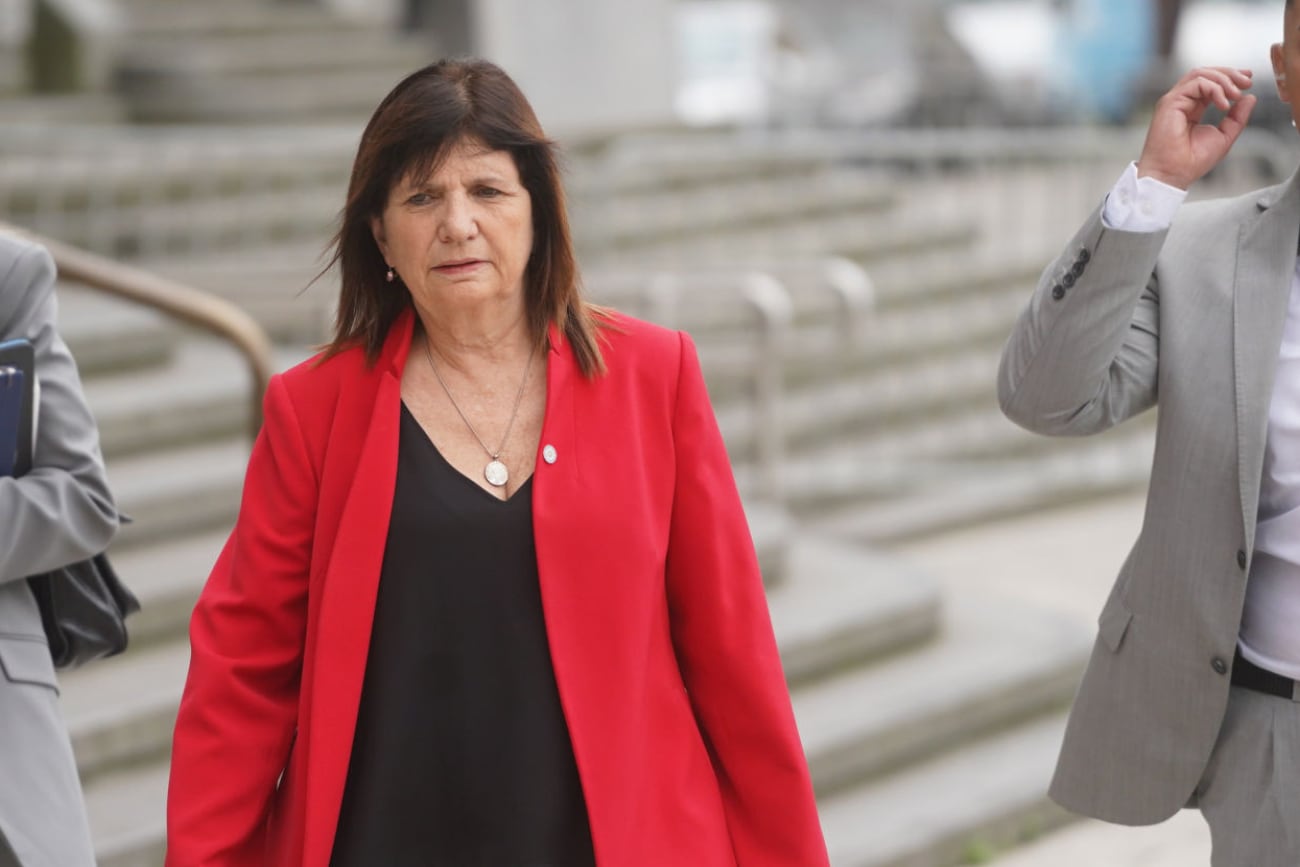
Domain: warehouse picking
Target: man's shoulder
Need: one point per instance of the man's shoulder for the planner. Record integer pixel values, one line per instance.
(15, 246)
(15, 249)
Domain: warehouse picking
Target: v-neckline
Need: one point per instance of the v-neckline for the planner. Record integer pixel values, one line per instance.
(424, 435)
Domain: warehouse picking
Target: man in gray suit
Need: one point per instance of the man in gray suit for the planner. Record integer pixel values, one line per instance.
(58, 513)
(1192, 693)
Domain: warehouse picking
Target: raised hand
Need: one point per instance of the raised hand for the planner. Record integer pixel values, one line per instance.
(1179, 149)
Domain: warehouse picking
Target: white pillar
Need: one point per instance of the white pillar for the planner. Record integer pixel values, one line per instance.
(585, 65)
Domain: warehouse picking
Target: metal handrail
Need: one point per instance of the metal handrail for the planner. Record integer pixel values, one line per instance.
(190, 305)
(769, 298)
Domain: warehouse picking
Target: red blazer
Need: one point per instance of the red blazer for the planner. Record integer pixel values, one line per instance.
(659, 632)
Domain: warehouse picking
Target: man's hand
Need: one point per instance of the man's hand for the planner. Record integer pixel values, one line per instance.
(1179, 149)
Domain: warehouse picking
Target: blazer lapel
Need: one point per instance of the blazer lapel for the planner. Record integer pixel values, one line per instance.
(1266, 259)
(554, 480)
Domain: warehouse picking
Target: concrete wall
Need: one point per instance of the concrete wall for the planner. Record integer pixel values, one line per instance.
(585, 65)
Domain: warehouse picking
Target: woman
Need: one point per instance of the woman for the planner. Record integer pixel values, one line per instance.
(491, 598)
(57, 513)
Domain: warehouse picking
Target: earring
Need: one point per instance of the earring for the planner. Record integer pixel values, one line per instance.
(390, 275)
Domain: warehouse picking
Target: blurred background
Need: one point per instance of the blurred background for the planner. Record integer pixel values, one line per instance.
(846, 202)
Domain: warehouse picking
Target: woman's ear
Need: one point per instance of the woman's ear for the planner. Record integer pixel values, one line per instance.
(377, 232)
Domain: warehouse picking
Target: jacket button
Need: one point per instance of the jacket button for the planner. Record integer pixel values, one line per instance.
(548, 454)
(1077, 270)
(1084, 256)
(1241, 559)
(1058, 291)
(1219, 666)
(1068, 280)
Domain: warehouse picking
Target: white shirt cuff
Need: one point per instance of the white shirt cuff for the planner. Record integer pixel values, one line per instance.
(1141, 204)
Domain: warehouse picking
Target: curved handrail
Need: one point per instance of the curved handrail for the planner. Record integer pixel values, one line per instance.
(208, 312)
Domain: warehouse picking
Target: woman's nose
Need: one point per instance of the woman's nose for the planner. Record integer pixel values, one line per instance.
(458, 222)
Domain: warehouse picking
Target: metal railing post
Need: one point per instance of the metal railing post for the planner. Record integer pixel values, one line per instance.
(771, 300)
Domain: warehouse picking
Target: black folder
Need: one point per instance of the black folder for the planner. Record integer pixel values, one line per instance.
(17, 406)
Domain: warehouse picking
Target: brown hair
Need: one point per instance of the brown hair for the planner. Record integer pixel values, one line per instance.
(426, 115)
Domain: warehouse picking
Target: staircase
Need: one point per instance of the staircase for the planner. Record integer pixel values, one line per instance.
(930, 721)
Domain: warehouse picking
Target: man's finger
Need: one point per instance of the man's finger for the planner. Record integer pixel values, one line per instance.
(1199, 94)
(1239, 77)
(1235, 120)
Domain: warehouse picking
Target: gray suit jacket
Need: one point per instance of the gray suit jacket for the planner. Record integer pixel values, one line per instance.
(1191, 318)
(57, 514)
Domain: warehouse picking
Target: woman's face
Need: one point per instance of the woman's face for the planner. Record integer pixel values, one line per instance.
(462, 235)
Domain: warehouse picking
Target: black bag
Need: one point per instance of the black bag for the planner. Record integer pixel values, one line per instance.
(83, 609)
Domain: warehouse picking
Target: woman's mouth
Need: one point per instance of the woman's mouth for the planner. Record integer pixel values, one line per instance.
(458, 266)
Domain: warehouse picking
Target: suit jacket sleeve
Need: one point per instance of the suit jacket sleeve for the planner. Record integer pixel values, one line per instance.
(722, 635)
(238, 713)
(61, 511)
(1083, 355)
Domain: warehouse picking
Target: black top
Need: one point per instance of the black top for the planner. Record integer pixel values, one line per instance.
(461, 756)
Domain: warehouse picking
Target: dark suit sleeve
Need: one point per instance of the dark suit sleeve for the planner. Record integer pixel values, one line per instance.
(61, 511)
(722, 635)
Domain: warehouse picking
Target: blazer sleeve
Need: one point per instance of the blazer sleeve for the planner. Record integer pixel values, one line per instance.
(61, 511)
(238, 713)
(1083, 355)
(726, 650)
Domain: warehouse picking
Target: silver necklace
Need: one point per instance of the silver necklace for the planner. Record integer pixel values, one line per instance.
(495, 472)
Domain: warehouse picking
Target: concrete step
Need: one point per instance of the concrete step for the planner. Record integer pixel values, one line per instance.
(51, 111)
(958, 495)
(168, 18)
(107, 335)
(128, 816)
(229, 224)
(900, 397)
(273, 53)
(936, 452)
(13, 73)
(994, 664)
(273, 284)
(43, 175)
(300, 97)
(949, 277)
(631, 220)
(121, 711)
(595, 171)
(166, 577)
(845, 605)
(184, 490)
(828, 348)
(865, 238)
(202, 392)
(952, 809)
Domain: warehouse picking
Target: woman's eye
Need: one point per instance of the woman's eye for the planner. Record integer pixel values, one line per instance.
(419, 199)
(488, 192)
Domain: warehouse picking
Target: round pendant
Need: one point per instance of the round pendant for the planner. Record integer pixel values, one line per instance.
(496, 474)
